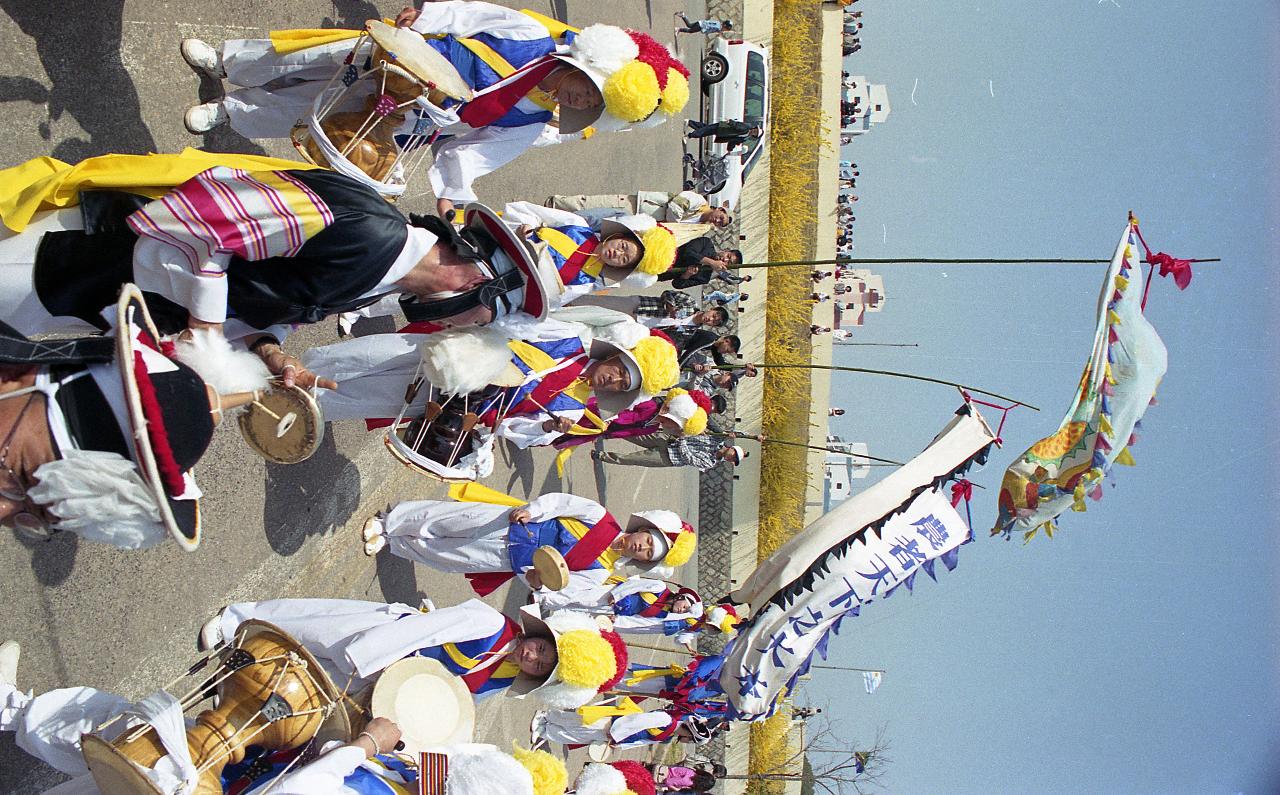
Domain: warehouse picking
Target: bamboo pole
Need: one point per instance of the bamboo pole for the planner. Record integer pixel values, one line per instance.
(809, 263)
(892, 373)
(770, 440)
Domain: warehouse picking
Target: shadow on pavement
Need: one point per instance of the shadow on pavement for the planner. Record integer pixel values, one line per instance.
(22, 774)
(309, 498)
(353, 14)
(52, 560)
(521, 464)
(79, 47)
(396, 578)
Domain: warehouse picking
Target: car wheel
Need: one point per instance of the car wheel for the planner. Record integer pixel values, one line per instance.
(714, 68)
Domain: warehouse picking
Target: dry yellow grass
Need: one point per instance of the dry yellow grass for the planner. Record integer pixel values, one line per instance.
(794, 143)
(771, 754)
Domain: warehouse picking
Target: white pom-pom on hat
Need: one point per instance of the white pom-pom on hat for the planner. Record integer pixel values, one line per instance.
(600, 779)
(604, 47)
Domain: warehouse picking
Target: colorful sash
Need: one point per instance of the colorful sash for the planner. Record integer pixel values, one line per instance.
(592, 543)
(552, 382)
(504, 69)
(479, 663)
(578, 257)
(254, 216)
(655, 604)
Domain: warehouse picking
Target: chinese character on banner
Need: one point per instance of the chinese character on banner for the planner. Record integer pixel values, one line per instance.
(931, 530)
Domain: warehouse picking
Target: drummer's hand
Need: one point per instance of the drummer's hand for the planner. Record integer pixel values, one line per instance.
(519, 515)
(560, 424)
(290, 369)
(385, 734)
(407, 17)
(533, 578)
(193, 323)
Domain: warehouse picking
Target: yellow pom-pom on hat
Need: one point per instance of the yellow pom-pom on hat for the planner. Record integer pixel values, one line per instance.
(681, 408)
(659, 366)
(659, 250)
(586, 658)
(676, 93)
(682, 548)
(549, 774)
(632, 93)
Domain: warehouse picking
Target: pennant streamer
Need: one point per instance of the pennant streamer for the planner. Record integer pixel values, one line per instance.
(1119, 382)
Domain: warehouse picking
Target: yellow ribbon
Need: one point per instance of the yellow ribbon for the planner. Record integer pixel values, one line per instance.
(652, 673)
(566, 247)
(595, 712)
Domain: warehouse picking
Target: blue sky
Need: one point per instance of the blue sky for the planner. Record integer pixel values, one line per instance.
(1136, 652)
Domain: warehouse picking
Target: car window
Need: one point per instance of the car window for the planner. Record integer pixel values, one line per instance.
(753, 100)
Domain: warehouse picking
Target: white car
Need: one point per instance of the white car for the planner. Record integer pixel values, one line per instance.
(735, 86)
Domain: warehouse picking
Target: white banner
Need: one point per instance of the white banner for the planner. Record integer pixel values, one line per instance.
(780, 642)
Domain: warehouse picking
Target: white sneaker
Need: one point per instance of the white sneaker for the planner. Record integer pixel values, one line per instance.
(374, 545)
(9, 653)
(372, 528)
(203, 118)
(210, 633)
(200, 55)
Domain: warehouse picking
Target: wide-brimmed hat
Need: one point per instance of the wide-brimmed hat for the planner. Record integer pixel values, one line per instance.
(652, 363)
(432, 706)
(657, 249)
(590, 659)
(638, 78)
(686, 409)
(541, 283)
(167, 409)
(674, 539)
(522, 277)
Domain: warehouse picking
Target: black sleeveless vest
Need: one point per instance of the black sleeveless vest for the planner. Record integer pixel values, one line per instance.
(79, 273)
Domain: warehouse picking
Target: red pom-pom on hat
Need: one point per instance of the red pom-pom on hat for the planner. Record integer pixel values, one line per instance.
(619, 655)
(700, 399)
(639, 779)
(652, 53)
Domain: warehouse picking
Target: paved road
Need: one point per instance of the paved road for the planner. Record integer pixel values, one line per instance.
(80, 79)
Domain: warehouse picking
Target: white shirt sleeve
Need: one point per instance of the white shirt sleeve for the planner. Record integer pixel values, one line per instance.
(585, 592)
(557, 503)
(526, 431)
(161, 268)
(458, 18)
(323, 776)
(463, 159)
(536, 215)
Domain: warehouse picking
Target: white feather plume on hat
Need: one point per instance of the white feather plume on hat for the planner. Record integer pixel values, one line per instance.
(218, 364)
(461, 361)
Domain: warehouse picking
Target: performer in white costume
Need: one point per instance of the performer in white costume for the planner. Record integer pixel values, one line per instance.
(483, 536)
(526, 79)
(355, 640)
(372, 372)
(49, 727)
